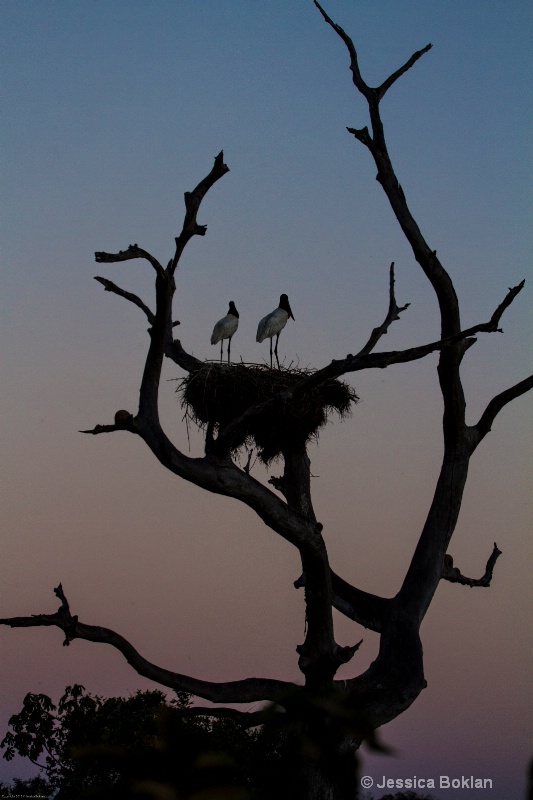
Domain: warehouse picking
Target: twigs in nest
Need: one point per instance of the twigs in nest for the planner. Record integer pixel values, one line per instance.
(217, 393)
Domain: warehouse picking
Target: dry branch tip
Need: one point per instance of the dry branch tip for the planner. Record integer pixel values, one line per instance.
(454, 575)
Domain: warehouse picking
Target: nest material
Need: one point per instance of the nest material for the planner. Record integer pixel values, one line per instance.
(218, 393)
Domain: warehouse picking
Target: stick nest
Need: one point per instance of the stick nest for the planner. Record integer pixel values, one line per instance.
(218, 393)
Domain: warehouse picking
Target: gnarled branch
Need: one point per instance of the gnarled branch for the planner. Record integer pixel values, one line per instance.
(133, 251)
(454, 575)
(424, 572)
(248, 690)
(192, 204)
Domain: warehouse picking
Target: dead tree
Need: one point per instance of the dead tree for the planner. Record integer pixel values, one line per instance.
(336, 715)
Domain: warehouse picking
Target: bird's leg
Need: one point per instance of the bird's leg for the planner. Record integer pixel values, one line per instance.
(229, 347)
(271, 352)
(276, 349)
(221, 346)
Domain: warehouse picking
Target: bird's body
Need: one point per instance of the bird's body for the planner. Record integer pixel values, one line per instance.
(225, 328)
(273, 324)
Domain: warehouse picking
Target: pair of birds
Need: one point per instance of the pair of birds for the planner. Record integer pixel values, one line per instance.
(270, 326)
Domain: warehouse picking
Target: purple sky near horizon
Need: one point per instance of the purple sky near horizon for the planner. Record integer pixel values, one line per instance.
(111, 111)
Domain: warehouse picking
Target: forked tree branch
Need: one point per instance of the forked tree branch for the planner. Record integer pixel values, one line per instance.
(345, 598)
(424, 572)
(454, 575)
(426, 257)
(246, 691)
(369, 92)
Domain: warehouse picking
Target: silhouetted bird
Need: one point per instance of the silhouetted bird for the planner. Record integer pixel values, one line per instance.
(225, 328)
(273, 324)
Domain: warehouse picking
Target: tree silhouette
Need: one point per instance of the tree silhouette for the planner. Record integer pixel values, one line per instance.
(136, 746)
(324, 720)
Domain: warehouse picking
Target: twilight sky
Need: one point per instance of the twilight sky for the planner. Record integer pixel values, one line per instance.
(114, 108)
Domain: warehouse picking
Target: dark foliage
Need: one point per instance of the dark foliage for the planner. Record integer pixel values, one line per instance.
(32, 787)
(144, 746)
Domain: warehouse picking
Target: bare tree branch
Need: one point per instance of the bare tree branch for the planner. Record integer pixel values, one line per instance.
(426, 257)
(133, 251)
(246, 691)
(165, 288)
(124, 421)
(454, 575)
(403, 614)
(354, 63)
(292, 521)
(363, 87)
(363, 360)
(335, 369)
(401, 71)
(492, 325)
(175, 352)
(479, 431)
(109, 286)
(192, 204)
(393, 314)
(506, 302)
(102, 429)
(371, 611)
(222, 476)
(368, 610)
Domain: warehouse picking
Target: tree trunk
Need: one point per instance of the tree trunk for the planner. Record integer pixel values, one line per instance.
(319, 768)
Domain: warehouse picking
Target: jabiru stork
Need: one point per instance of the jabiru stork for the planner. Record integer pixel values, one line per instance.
(225, 328)
(273, 324)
